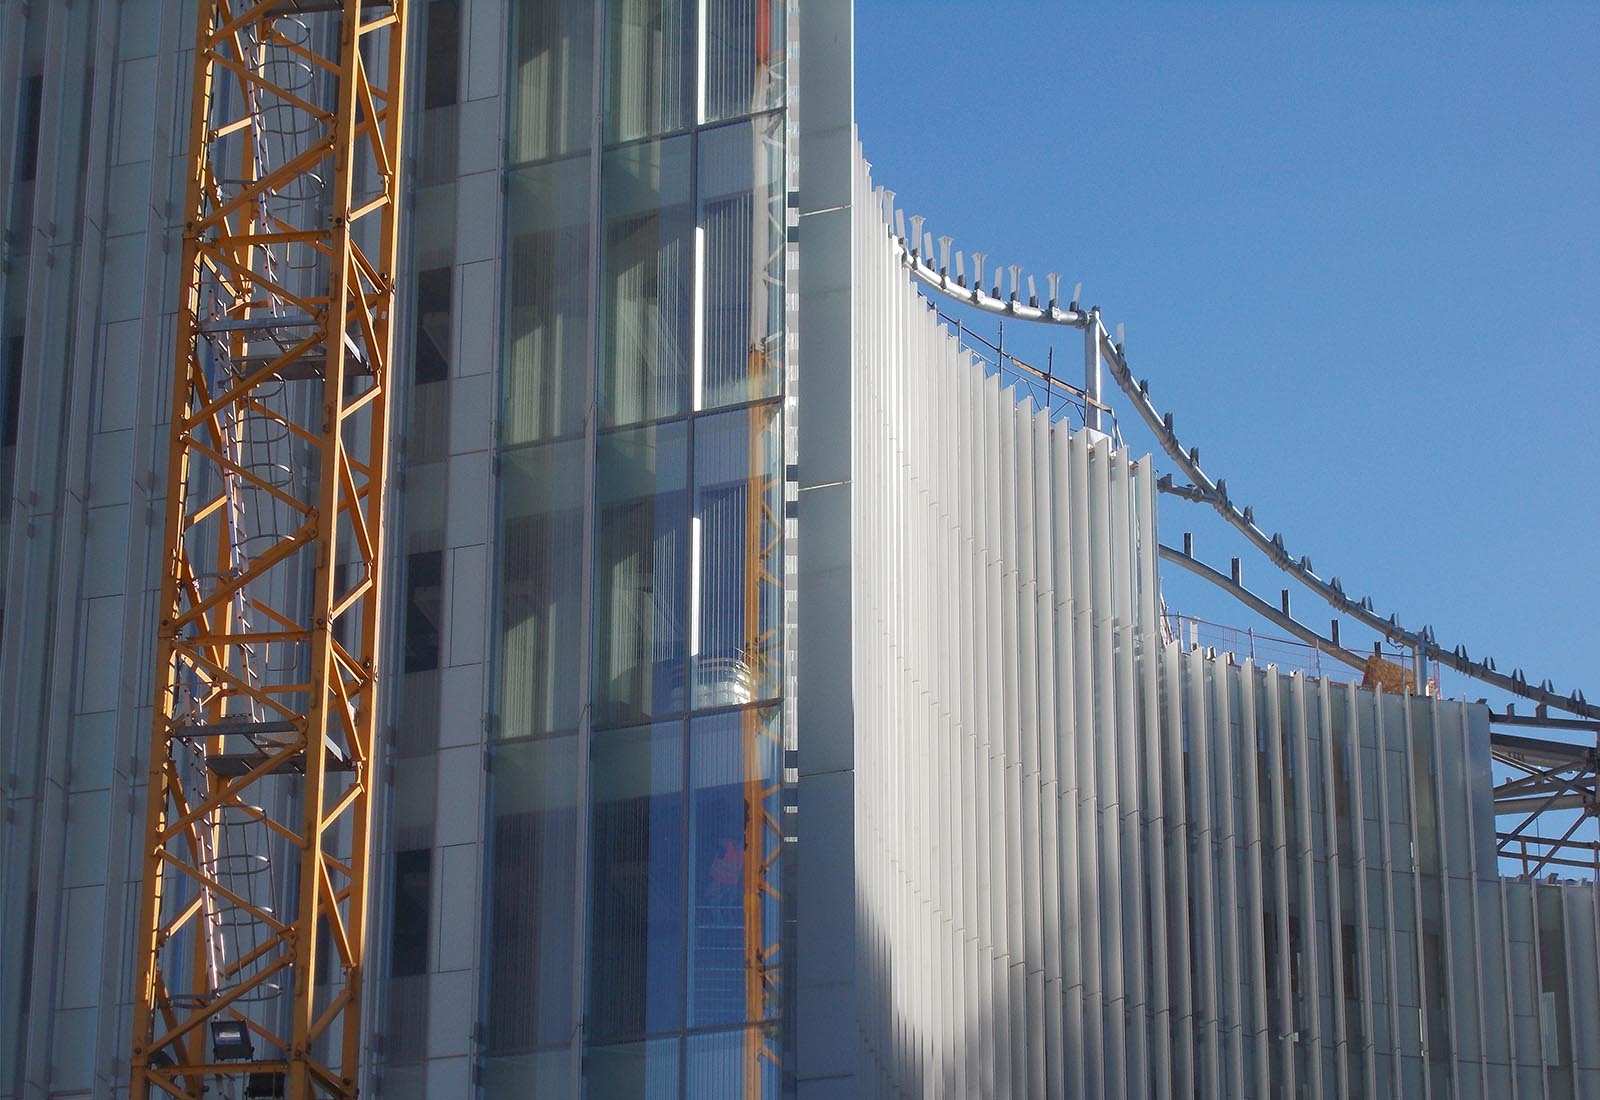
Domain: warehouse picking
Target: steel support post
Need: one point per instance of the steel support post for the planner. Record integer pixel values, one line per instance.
(1093, 332)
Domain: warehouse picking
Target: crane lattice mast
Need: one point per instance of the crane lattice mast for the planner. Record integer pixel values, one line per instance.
(252, 933)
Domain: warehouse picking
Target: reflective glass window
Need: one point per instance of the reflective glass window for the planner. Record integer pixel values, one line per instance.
(552, 84)
(433, 236)
(541, 587)
(636, 907)
(546, 380)
(632, 1071)
(744, 57)
(28, 132)
(28, 95)
(715, 1063)
(437, 134)
(531, 946)
(414, 797)
(424, 609)
(413, 893)
(10, 387)
(10, 397)
(640, 576)
(650, 67)
(401, 1076)
(676, 235)
(736, 557)
(433, 325)
(650, 260)
(741, 216)
(415, 712)
(429, 436)
(433, 231)
(734, 773)
(442, 67)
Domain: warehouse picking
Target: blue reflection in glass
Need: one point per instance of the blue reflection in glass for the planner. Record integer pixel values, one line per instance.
(716, 1064)
(733, 863)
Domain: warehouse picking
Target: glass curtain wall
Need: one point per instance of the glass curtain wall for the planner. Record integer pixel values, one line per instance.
(634, 893)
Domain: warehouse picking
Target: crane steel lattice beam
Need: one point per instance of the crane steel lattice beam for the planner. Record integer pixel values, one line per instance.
(252, 922)
(1546, 776)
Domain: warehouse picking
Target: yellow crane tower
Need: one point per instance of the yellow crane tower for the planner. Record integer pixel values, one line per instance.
(252, 923)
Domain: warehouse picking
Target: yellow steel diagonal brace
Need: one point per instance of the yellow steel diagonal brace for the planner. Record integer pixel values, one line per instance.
(763, 839)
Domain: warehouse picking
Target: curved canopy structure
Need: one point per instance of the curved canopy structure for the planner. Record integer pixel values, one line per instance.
(915, 251)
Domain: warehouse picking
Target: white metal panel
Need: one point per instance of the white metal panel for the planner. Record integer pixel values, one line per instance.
(1253, 1008)
(1304, 864)
(1391, 989)
(1229, 843)
(1208, 1003)
(1175, 795)
(1282, 902)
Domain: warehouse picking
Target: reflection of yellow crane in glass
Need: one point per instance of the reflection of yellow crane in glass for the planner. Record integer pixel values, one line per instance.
(252, 921)
(763, 839)
(763, 578)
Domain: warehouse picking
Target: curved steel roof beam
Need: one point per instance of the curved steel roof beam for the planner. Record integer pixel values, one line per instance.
(1215, 492)
(1262, 607)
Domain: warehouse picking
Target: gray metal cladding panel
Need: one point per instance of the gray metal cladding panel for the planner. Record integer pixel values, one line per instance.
(90, 161)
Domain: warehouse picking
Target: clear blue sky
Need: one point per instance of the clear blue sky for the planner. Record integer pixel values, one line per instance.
(1357, 251)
